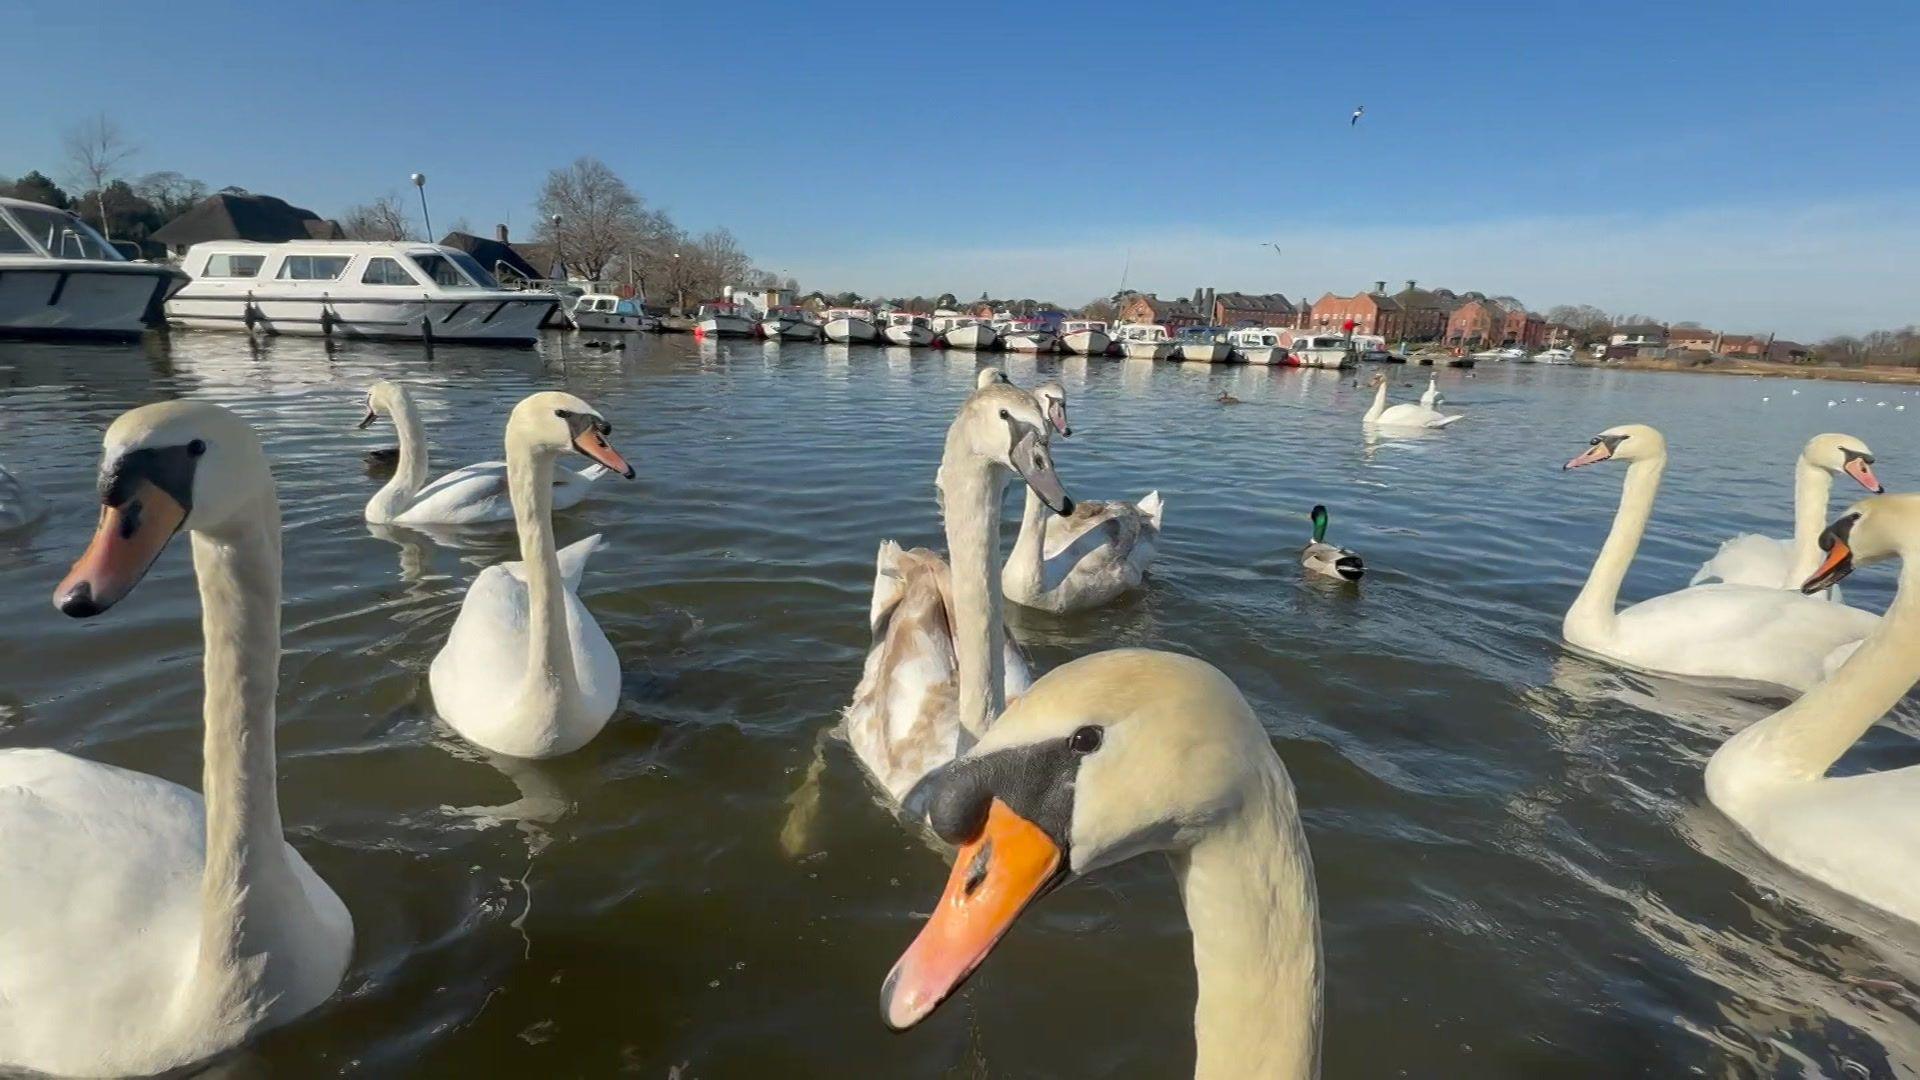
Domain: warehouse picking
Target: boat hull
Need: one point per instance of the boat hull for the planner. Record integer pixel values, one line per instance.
(1207, 353)
(972, 337)
(1259, 355)
(918, 336)
(1321, 358)
(1030, 341)
(728, 326)
(608, 321)
(1087, 343)
(1146, 350)
(71, 298)
(850, 330)
(488, 318)
(789, 330)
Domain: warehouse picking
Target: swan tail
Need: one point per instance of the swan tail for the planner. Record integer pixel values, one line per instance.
(1152, 506)
(1448, 420)
(573, 558)
(803, 806)
(889, 583)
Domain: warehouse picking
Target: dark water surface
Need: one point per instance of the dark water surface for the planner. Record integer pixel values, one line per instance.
(1519, 873)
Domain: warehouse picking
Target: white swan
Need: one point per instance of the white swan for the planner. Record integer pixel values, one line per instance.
(1323, 558)
(526, 671)
(474, 495)
(1085, 559)
(1734, 632)
(1406, 414)
(1749, 559)
(1111, 756)
(1430, 397)
(1857, 834)
(20, 505)
(941, 666)
(143, 927)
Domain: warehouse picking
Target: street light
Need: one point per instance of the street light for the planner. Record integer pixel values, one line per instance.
(420, 181)
(679, 291)
(559, 252)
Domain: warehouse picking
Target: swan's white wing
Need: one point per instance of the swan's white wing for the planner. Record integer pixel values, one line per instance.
(1749, 559)
(469, 496)
(1741, 632)
(1099, 552)
(572, 558)
(478, 672)
(1407, 414)
(100, 915)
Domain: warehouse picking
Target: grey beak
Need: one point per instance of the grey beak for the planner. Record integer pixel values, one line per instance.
(1036, 468)
(367, 420)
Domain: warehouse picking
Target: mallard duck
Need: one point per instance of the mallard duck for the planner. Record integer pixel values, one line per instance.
(1323, 558)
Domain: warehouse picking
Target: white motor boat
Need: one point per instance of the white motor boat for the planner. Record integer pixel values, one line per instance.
(1257, 345)
(724, 319)
(1087, 337)
(607, 312)
(59, 278)
(1025, 335)
(1203, 345)
(1321, 351)
(965, 332)
(1143, 341)
(1553, 356)
(1372, 348)
(788, 324)
(906, 328)
(848, 325)
(354, 288)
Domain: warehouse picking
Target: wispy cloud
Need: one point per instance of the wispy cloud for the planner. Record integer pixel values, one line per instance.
(1803, 272)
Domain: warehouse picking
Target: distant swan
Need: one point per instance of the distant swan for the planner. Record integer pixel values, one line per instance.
(474, 495)
(1406, 414)
(145, 926)
(526, 671)
(1858, 834)
(1743, 632)
(1750, 559)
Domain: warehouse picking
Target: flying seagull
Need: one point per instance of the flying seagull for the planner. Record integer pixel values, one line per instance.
(1357, 111)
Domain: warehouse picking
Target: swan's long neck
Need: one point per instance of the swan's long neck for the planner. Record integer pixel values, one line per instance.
(1802, 741)
(1812, 485)
(1251, 901)
(1379, 402)
(410, 473)
(247, 883)
(972, 511)
(1028, 562)
(1592, 612)
(551, 681)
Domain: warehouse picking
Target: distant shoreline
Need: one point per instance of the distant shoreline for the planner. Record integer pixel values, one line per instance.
(1907, 376)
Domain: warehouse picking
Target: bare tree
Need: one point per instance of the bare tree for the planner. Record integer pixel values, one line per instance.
(600, 218)
(95, 151)
(170, 193)
(385, 218)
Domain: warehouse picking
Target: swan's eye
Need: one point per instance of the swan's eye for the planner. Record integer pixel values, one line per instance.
(1595, 441)
(1084, 741)
(563, 414)
(1005, 415)
(197, 447)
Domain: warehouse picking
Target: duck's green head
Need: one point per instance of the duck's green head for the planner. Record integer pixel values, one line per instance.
(1319, 517)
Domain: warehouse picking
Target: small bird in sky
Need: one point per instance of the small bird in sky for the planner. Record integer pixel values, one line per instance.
(1358, 110)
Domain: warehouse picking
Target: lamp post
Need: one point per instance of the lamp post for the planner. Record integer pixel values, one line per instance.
(679, 291)
(559, 251)
(420, 182)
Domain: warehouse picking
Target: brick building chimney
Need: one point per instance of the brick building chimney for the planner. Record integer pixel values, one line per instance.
(500, 233)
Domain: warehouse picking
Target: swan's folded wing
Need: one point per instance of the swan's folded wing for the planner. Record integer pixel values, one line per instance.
(1748, 559)
(488, 642)
(474, 494)
(573, 559)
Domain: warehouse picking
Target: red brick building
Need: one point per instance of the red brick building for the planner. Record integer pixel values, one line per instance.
(1737, 346)
(1256, 309)
(1691, 338)
(1372, 313)
(1423, 312)
(1148, 308)
(1476, 324)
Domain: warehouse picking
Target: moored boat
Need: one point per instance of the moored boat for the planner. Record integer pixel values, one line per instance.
(1143, 341)
(1088, 337)
(1257, 345)
(59, 278)
(1203, 344)
(906, 328)
(1320, 350)
(788, 324)
(1372, 348)
(353, 288)
(605, 311)
(1025, 335)
(965, 332)
(848, 325)
(1553, 356)
(724, 318)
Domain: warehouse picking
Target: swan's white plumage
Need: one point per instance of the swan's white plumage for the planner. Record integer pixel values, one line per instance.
(1406, 414)
(477, 495)
(1091, 557)
(1752, 559)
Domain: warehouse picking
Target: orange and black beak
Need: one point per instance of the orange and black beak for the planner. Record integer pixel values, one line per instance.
(1839, 561)
(996, 875)
(590, 438)
(1860, 467)
(1600, 450)
(145, 499)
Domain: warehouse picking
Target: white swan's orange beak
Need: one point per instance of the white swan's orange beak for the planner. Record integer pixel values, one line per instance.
(1862, 472)
(1838, 564)
(595, 445)
(1598, 452)
(995, 876)
(129, 538)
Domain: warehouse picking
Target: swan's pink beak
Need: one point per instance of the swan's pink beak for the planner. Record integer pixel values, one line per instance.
(126, 543)
(595, 445)
(995, 876)
(1862, 472)
(1599, 451)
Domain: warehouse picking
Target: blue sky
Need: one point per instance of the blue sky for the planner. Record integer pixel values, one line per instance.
(1738, 164)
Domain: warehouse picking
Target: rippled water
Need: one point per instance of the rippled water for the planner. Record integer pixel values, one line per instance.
(1517, 867)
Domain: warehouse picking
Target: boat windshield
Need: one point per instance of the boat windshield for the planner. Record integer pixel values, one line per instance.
(626, 307)
(446, 270)
(61, 235)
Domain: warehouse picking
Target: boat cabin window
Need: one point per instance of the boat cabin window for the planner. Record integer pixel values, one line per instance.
(313, 267)
(62, 235)
(11, 242)
(626, 307)
(383, 271)
(444, 272)
(222, 265)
